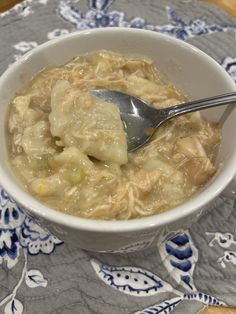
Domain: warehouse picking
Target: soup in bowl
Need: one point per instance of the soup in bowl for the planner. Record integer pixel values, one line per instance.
(68, 151)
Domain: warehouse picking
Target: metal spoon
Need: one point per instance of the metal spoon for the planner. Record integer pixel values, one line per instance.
(141, 120)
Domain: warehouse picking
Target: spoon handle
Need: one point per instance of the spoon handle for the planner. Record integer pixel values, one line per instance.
(200, 104)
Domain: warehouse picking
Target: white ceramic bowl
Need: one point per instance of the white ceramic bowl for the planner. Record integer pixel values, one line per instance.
(195, 73)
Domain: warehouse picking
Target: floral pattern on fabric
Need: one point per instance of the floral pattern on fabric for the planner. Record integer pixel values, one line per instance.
(179, 256)
(21, 235)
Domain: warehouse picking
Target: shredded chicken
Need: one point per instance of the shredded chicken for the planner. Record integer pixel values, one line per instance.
(69, 149)
(192, 156)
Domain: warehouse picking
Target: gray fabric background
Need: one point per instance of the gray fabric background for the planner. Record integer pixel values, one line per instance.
(73, 286)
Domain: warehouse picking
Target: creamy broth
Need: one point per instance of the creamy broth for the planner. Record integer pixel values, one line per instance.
(69, 150)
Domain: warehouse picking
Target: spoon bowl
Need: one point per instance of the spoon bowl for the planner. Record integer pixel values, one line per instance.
(141, 120)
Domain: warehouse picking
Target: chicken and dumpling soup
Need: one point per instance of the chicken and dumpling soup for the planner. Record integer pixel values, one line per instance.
(69, 149)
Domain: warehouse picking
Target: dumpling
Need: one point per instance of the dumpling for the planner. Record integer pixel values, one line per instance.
(94, 126)
(19, 109)
(37, 140)
(21, 118)
(73, 157)
(145, 89)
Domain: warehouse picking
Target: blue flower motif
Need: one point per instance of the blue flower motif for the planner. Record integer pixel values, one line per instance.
(18, 230)
(229, 64)
(168, 306)
(140, 282)
(224, 240)
(162, 308)
(36, 239)
(9, 247)
(179, 256)
(100, 4)
(57, 33)
(131, 280)
(198, 27)
(98, 15)
(11, 215)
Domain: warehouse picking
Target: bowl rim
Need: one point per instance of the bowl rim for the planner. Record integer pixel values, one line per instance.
(115, 226)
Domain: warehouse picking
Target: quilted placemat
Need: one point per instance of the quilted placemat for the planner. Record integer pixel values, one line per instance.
(188, 269)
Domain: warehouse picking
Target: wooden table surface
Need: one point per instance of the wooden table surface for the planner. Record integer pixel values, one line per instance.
(230, 7)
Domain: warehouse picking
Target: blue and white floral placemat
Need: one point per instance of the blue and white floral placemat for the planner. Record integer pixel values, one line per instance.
(185, 271)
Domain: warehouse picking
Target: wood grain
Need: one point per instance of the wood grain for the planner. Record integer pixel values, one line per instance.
(219, 310)
(7, 4)
(230, 7)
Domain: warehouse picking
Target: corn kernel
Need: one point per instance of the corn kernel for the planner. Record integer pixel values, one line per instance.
(77, 176)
